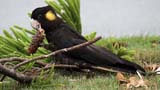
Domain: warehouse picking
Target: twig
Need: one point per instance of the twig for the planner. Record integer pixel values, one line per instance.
(103, 69)
(58, 51)
(11, 59)
(77, 67)
(59, 66)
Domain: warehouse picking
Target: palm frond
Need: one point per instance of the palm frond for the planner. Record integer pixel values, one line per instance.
(16, 43)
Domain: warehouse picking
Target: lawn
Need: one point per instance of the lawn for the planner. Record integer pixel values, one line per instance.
(147, 49)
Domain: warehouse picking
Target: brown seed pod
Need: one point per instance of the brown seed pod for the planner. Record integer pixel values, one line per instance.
(37, 39)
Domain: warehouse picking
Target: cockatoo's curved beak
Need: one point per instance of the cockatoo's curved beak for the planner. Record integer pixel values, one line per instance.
(35, 24)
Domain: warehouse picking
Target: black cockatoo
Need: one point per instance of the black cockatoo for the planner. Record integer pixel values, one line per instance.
(61, 35)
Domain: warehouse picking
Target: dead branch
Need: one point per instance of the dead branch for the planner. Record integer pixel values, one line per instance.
(16, 76)
(11, 59)
(59, 51)
(59, 66)
(99, 68)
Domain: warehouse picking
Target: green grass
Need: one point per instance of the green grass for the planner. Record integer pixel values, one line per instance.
(65, 80)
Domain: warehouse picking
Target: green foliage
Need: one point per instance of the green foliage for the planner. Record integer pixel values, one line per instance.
(91, 36)
(115, 46)
(69, 10)
(118, 47)
(17, 43)
(125, 53)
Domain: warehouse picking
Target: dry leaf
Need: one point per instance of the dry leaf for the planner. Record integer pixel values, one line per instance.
(135, 82)
(132, 81)
(120, 77)
(151, 67)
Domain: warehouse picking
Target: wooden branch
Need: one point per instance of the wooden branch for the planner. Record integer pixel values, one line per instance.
(77, 67)
(58, 51)
(17, 76)
(11, 59)
(103, 69)
(59, 66)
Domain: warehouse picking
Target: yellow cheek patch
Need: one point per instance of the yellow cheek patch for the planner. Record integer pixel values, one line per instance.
(50, 16)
